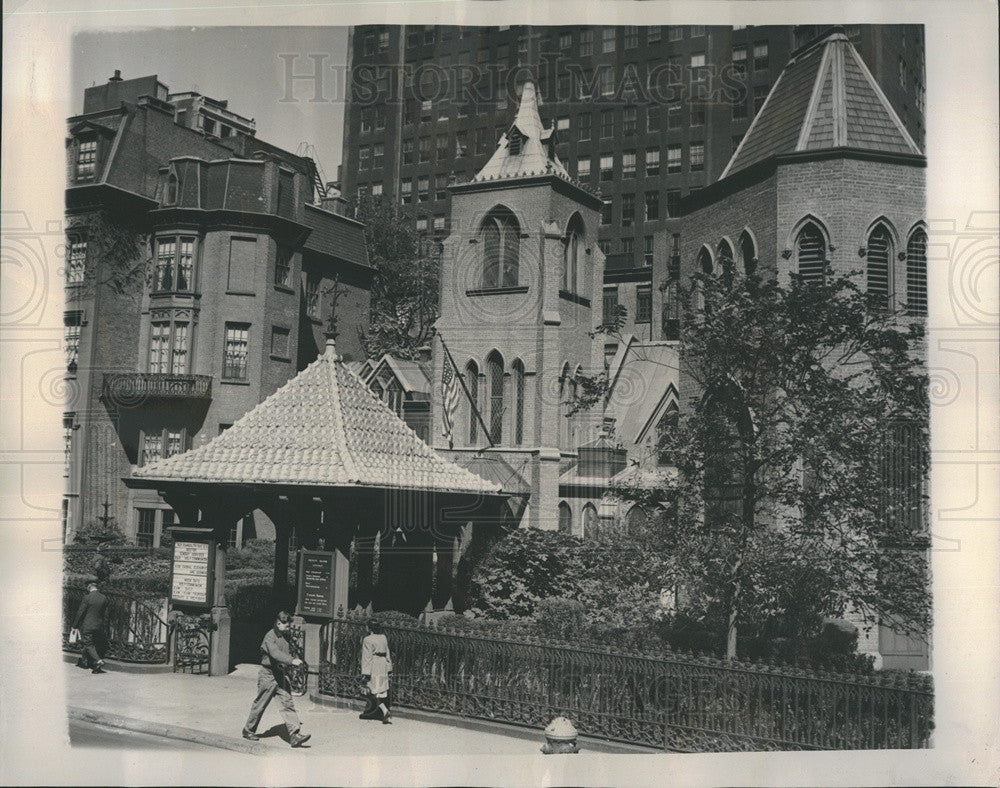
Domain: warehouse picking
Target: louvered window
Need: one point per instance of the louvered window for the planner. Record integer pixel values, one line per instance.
(916, 274)
(811, 253)
(879, 254)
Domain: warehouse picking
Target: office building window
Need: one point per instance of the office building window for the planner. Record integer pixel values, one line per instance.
(366, 121)
(378, 155)
(673, 158)
(628, 164)
(174, 266)
(562, 124)
(697, 31)
(440, 187)
(697, 154)
(67, 442)
(586, 42)
(647, 250)
(607, 124)
(407, 151)
(643, 304)
(760, 59)
(628, 246)
(425, 149)
(675, 33)
(168, 347)
(652, 206)
(739, 105)
(71, 338)
(759, 96)
(608, 40)
(377, 189)
(236, 351)
(653, 161)
(628, 210)
(653, 34)
(674, 116)
(607, 167)
(565, 40)
(631, 37)
(439, 223)
(698, 71)
(652, 119)
(606, 212)
(605, 246)
(461, 143)
(610, 305)
(76, 263)
(629, 120)
(606, 80)
(583, 127)
(697, 113)
(740, 61)
(423, 188)
(421, 224)
(673, 201)
(583, 168)
(283, 266)
(406, 190)
(442, 147)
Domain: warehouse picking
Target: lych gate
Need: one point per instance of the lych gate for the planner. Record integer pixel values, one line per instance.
(323, 457)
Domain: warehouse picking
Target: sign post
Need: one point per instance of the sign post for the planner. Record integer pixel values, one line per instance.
(322, 590)
(197, 588)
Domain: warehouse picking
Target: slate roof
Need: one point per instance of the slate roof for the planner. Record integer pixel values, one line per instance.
(322, 428)
(824, 98)
(335, 234)
(537, 155)
(644, 378)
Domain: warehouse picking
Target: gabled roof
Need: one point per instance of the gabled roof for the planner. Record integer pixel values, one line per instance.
(824, 98)
(322, 428)
(643, 378)
(413, 376)
(537, 155)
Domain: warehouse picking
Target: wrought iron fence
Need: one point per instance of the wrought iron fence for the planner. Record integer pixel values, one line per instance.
(136, 630)
(298, 674)
(679, 703)
(192, 637)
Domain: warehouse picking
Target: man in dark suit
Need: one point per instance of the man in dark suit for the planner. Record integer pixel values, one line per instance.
(90, 622)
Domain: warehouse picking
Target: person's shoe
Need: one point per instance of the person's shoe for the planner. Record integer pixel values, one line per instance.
(98, 670)
(249, 736)
(299, 739)
(387, 719)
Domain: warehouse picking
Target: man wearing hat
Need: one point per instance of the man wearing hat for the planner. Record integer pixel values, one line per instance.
(91, 619)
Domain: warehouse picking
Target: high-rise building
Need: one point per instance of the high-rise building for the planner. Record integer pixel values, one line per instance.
(645, 115)
(200, 270)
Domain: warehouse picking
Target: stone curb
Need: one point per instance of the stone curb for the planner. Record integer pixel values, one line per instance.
(124, 667)
(165, 731)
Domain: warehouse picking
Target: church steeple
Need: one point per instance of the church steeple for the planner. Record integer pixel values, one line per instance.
(527, 148)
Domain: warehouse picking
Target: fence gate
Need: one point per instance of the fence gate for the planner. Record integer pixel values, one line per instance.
(192, 645)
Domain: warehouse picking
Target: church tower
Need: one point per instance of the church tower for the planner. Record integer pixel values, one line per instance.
(521, 284)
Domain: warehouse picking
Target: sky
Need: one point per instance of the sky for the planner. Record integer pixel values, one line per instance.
(243, 65)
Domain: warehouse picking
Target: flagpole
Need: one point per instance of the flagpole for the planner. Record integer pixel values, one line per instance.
(468, 396)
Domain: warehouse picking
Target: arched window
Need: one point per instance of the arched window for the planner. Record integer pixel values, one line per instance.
(748, 253)
(571, 255)
(518, 367)
(565, 518)
(494, 376)
(725, 254)
(570, 405)
(472, 383)
(705, 264)
(501, 238)
(810, 251)
(591, 524)
(635, 520)
(916, 274)
(880, 266)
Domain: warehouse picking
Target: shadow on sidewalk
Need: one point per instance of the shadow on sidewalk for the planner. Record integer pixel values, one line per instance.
(281, 732)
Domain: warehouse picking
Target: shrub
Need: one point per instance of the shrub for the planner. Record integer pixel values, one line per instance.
(96, 532)
(560, 617)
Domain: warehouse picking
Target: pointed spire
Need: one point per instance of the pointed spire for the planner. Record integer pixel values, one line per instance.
(527, 120)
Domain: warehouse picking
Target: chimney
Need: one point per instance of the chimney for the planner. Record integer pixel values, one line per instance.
(117, 77)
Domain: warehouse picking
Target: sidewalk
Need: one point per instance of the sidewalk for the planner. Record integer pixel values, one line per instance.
(217, 707)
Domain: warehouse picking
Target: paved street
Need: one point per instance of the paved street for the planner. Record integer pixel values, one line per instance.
(87, 734)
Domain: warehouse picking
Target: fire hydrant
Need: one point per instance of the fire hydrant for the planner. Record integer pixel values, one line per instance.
(560, 737)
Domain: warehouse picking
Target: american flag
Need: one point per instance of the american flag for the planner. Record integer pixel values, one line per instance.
(449, 396)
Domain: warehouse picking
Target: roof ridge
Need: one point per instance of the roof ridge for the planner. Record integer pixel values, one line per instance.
(338, 416)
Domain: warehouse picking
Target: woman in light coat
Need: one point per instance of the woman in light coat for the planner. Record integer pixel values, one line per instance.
(376, 665)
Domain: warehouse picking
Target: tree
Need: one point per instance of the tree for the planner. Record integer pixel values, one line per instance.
(790, 494)
(118, 255)
(405, 289)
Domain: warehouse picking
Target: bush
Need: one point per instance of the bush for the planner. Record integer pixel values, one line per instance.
(560, 617)
(96, 532)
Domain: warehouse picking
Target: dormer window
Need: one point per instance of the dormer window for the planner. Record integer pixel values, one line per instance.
(514, 143)
(170, 197)
(86, 160)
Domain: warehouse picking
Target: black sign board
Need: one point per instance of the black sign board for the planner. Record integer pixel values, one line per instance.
(192, 570)
(317, 577)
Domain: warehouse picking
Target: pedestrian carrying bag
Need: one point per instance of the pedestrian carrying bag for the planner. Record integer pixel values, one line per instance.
(74, 635)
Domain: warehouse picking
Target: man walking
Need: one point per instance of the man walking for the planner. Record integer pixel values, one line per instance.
(90, 621)
(276, 658)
